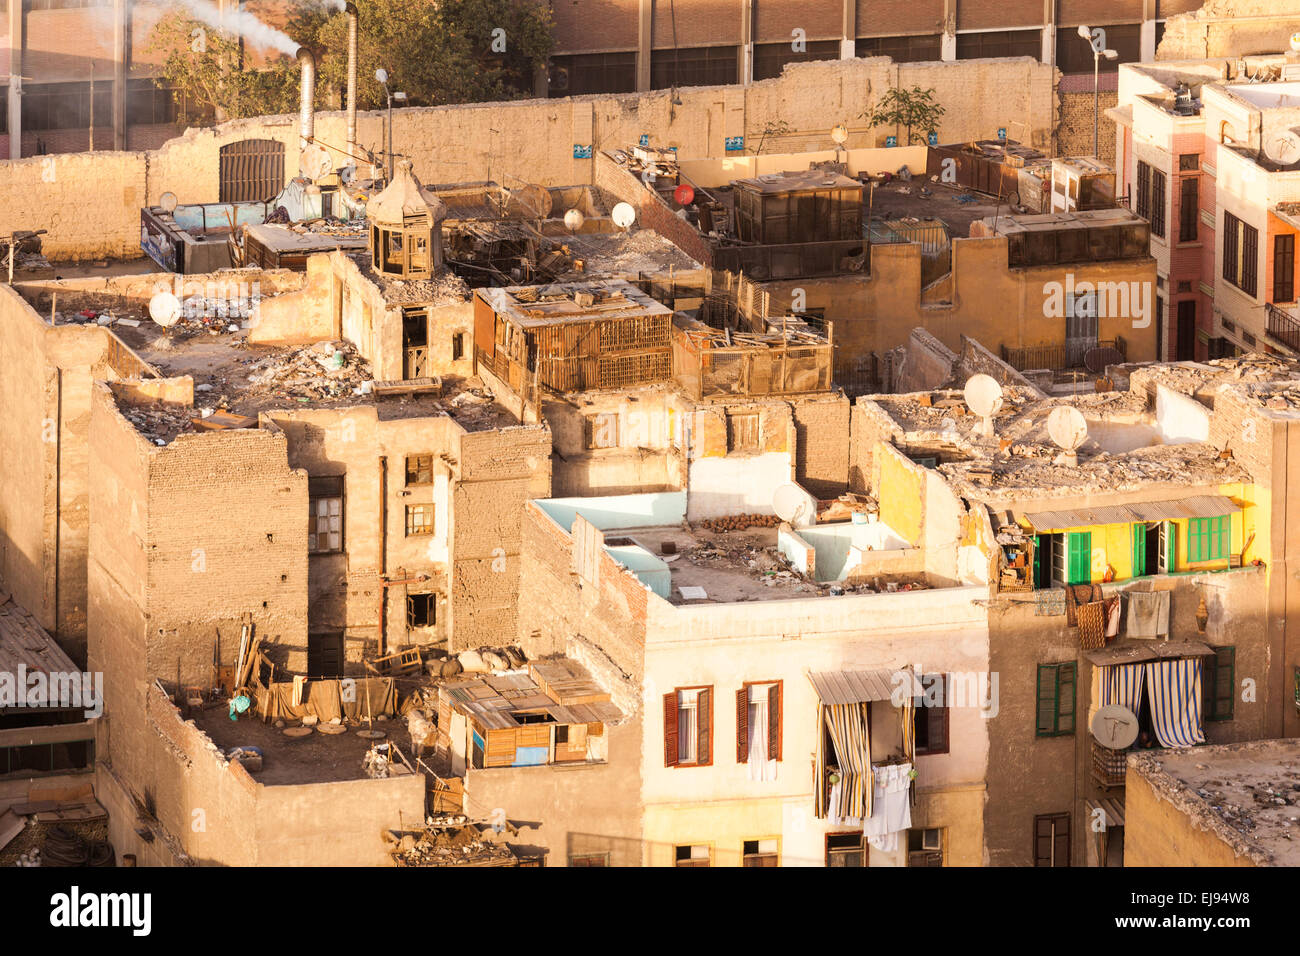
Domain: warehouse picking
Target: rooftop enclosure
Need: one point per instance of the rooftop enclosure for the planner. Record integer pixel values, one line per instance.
(849, 549)
(809, 206)
(1100, 235)
(406, 227)
(788, 358)
(989, 166)
(573, 336)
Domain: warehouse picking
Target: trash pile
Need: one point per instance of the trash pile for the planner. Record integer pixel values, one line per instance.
(461, 845)
(159, 423)
(321, 371)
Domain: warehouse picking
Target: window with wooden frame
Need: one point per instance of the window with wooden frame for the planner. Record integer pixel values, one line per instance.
(1143, 192)
(419, 470)
(1052, 839)
(925, 847)
(760, 853)
(1209, 539)
(699, 854)
(419, 519)
(457, 346)
(1240, 254)
(688, 727)
(1219, 683)
(1189, 162)
(421, 610)
(601, 430)
(742, 432)
(1284, 267)
(325, 520)
(846, 849)
(758, 707)
(930, 718)
(1189, 210)
(1158, 180)
(1055, 699)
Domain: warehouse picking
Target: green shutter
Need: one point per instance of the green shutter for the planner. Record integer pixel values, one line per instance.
(1065, 698)
(1055, 699)
(1046, 725)
(1079, 550)
(1220, 684)
(1139, 550)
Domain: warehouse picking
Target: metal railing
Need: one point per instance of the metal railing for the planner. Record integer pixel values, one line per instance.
(1284, 327)
(1057, 357)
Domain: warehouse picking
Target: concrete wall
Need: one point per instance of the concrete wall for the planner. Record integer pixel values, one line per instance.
(1159, 833)
(90, 203)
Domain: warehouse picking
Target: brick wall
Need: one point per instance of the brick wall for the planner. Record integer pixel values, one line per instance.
(822, 432)
(1074, 135)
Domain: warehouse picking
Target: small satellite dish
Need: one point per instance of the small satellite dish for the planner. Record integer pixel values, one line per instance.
(1069, 429)
(165, 309)
(531, 202)
(684, 195)
(1114, 726)
(314, 162)
(1096, 359)
(1283, 147)
(790, 502)
(983, 397)
(1295, 42)
(623, 215)
(168, 202)
(840, 133)
(573, 220)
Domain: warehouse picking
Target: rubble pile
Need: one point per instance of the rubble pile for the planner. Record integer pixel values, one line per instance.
(160, 423)
(321, 371)
(454, 845)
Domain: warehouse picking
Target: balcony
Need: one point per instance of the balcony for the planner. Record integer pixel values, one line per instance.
(1283, 327)
(1058, 358)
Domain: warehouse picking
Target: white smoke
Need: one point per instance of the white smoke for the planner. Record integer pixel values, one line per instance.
(253, 30)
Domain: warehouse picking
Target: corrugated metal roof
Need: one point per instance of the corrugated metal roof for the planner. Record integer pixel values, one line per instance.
(1112, 807)
(1132, 651)
(1195, 506)
(853, 687)
(24, 641)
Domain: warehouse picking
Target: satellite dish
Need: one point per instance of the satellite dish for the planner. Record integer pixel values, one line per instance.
(684, 195)
(168, 202)
(1283, 147)
(623, 215)
(840, 133)
(573, 220)
(532, 202)
(1096, 359)
(983, 397)
(314, 162)
(790, 502)
(165, 309)
(1114, 726)
(1295, 42)
(1069, 429)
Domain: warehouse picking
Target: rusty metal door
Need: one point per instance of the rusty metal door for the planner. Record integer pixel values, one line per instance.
(251, 169)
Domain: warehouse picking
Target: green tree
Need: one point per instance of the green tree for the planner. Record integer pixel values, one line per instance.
(914, 110)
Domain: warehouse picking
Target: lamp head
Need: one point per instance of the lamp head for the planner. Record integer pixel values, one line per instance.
(1110, 54)
(381, 75)
(1085, 32)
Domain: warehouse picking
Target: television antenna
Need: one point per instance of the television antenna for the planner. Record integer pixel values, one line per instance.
(1067, 427)
(983, 397)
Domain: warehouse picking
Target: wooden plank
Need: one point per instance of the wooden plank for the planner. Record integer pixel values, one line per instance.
(11, 824)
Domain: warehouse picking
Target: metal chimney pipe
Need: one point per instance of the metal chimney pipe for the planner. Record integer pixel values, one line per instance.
(307, 101)
(353, 18)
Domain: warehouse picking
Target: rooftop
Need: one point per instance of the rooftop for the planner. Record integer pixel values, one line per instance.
(24, 643)
(444, 289)
(812, 178)
(1247, 794)
(561, 302)
(919, 199)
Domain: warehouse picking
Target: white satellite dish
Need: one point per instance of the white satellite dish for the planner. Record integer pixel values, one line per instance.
(1069, 429)
(165, 309)
(168, 202)
(983, 397)
(790, 502)
(1283, 147)
(573, 220)
(1295, 42)
(314, 162)
(1114, 726)
(623, 215)
(840, 133)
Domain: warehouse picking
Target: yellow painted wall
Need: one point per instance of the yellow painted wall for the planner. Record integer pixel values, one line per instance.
(898, 488)
(1157, 833)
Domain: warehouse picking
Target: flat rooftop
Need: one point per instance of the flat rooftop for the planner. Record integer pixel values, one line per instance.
(1271, 381)
(1247, 794)
(1267, 96)
(1006, 225)
(621, 254)
(544, 305)
(803, 179)
(445, 289)
(955, 206)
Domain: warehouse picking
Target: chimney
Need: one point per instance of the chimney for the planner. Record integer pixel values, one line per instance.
(353, 16)
(306, 103)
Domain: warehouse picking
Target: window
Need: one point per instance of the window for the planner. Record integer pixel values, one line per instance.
(697, 855)
(148, 103)
(1052, 839)
(701, 66)
(325, 523)
(592, 73)
(771, 58)
(66, 105)
(758, 723)
(931, 716)
(1158, 180)
(1074, 55)
(458, 346)
(847, 849)
(419, 469)
(601, 430)
(1079, 557)
(1209, 539)
(995, 43)
(688, 727)
(419, 520)
(589, 859)
(915, 49)
(1219, 683)
(1189, 212)
(1055, 699)
(760, 853)
(325, 655)
(925, 847)
(1143, 193)
(421, 610)
(742, 432)
(1240, 253)
(1189, 162)
(1284, 268)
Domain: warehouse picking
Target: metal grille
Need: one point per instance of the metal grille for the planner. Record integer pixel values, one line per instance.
(251, 169)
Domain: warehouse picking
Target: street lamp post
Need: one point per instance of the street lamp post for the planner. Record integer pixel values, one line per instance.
(1099, 50)
(382, 76)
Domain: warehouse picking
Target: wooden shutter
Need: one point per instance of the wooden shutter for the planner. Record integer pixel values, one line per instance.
(1139, 532)
(1046, 721)
(1065, 698)
(1218, 684)
(774, 723)
(937, 719)
(705, 751)
(670, 730)
(1061, 840)
(742, 725)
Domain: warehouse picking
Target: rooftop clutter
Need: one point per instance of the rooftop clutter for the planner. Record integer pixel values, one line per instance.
(406, 228)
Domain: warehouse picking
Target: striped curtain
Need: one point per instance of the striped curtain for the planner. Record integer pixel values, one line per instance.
(1174, 692)
(847, 724)
(1122, 684)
